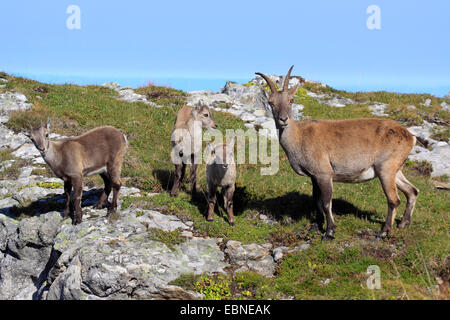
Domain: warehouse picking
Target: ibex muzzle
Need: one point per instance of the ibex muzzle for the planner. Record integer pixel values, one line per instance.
(354, 150)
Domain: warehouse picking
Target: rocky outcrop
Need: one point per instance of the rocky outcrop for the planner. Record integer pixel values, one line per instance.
(26, 248)
(127, 94)
(101, 260)
(436, 152)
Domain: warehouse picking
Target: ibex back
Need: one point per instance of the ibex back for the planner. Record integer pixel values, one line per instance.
(353, 151)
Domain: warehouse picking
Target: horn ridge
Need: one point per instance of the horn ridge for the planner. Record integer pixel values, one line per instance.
(286, 80)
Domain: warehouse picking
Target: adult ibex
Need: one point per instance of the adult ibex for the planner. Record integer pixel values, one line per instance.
(98, 151)
(187, 142)
(353, 151)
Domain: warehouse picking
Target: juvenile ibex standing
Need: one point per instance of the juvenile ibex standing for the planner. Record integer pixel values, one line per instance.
(98, 151)
(221, 172)
(355, 150)
(186, 142)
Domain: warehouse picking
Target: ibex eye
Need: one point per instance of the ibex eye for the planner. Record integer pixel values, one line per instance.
(206, 115)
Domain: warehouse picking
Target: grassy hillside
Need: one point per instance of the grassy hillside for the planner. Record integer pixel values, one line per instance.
(412, 262)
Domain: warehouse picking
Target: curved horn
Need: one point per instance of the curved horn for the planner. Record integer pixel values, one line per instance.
(269, 82)
(286, 80)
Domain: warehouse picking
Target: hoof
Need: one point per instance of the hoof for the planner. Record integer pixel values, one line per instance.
(231, 223)
(173, 194)
(328, 236)
(403, 224)
(113, 216)
(382, 235)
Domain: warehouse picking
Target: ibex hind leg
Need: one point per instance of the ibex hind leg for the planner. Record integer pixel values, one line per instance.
(178, 178)
(318, 220)
(388, 182)
(114, 172)
(103, 201)
(411, 193)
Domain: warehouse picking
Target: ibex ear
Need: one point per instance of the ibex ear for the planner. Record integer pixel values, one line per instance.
(47, 125)
(200, 104)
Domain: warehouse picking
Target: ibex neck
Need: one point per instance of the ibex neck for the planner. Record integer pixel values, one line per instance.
(287, 135)
(51, 156)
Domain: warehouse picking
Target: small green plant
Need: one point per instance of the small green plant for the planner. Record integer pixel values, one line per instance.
(441, 134)
(213, 287)
(169, 238)
(421, 168)
(46, 185)
(139, 214)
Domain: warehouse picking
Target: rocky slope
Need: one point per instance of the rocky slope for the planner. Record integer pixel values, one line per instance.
(45, 257)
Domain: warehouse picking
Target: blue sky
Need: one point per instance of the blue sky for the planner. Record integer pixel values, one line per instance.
(198, 44)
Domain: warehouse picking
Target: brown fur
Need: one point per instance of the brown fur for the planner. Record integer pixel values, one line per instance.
(354, 150)
(221, 172)
(184, 125)
(100, 150)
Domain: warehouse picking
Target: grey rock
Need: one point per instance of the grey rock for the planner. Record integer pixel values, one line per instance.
(252, 257)
(13, 101)
(247, 95)
(10, 140)
(27, 151)
(378, 109)
(445, 106)
(7, 204)
(119, 261)
(28, 251)
(127, 94)
(32, 194)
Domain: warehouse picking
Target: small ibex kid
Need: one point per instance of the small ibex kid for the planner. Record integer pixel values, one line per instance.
(98, 151)
(221, 172)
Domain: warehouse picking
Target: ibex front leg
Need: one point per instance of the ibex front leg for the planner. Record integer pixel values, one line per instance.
(77, 183)
(67, 192)
(228, 202)
(193, 178)
(325, 184)
(212, 190)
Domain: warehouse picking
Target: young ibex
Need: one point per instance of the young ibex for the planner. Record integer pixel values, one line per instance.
(98, 151)
(355, 150)
(187, 129)
(221, 172)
